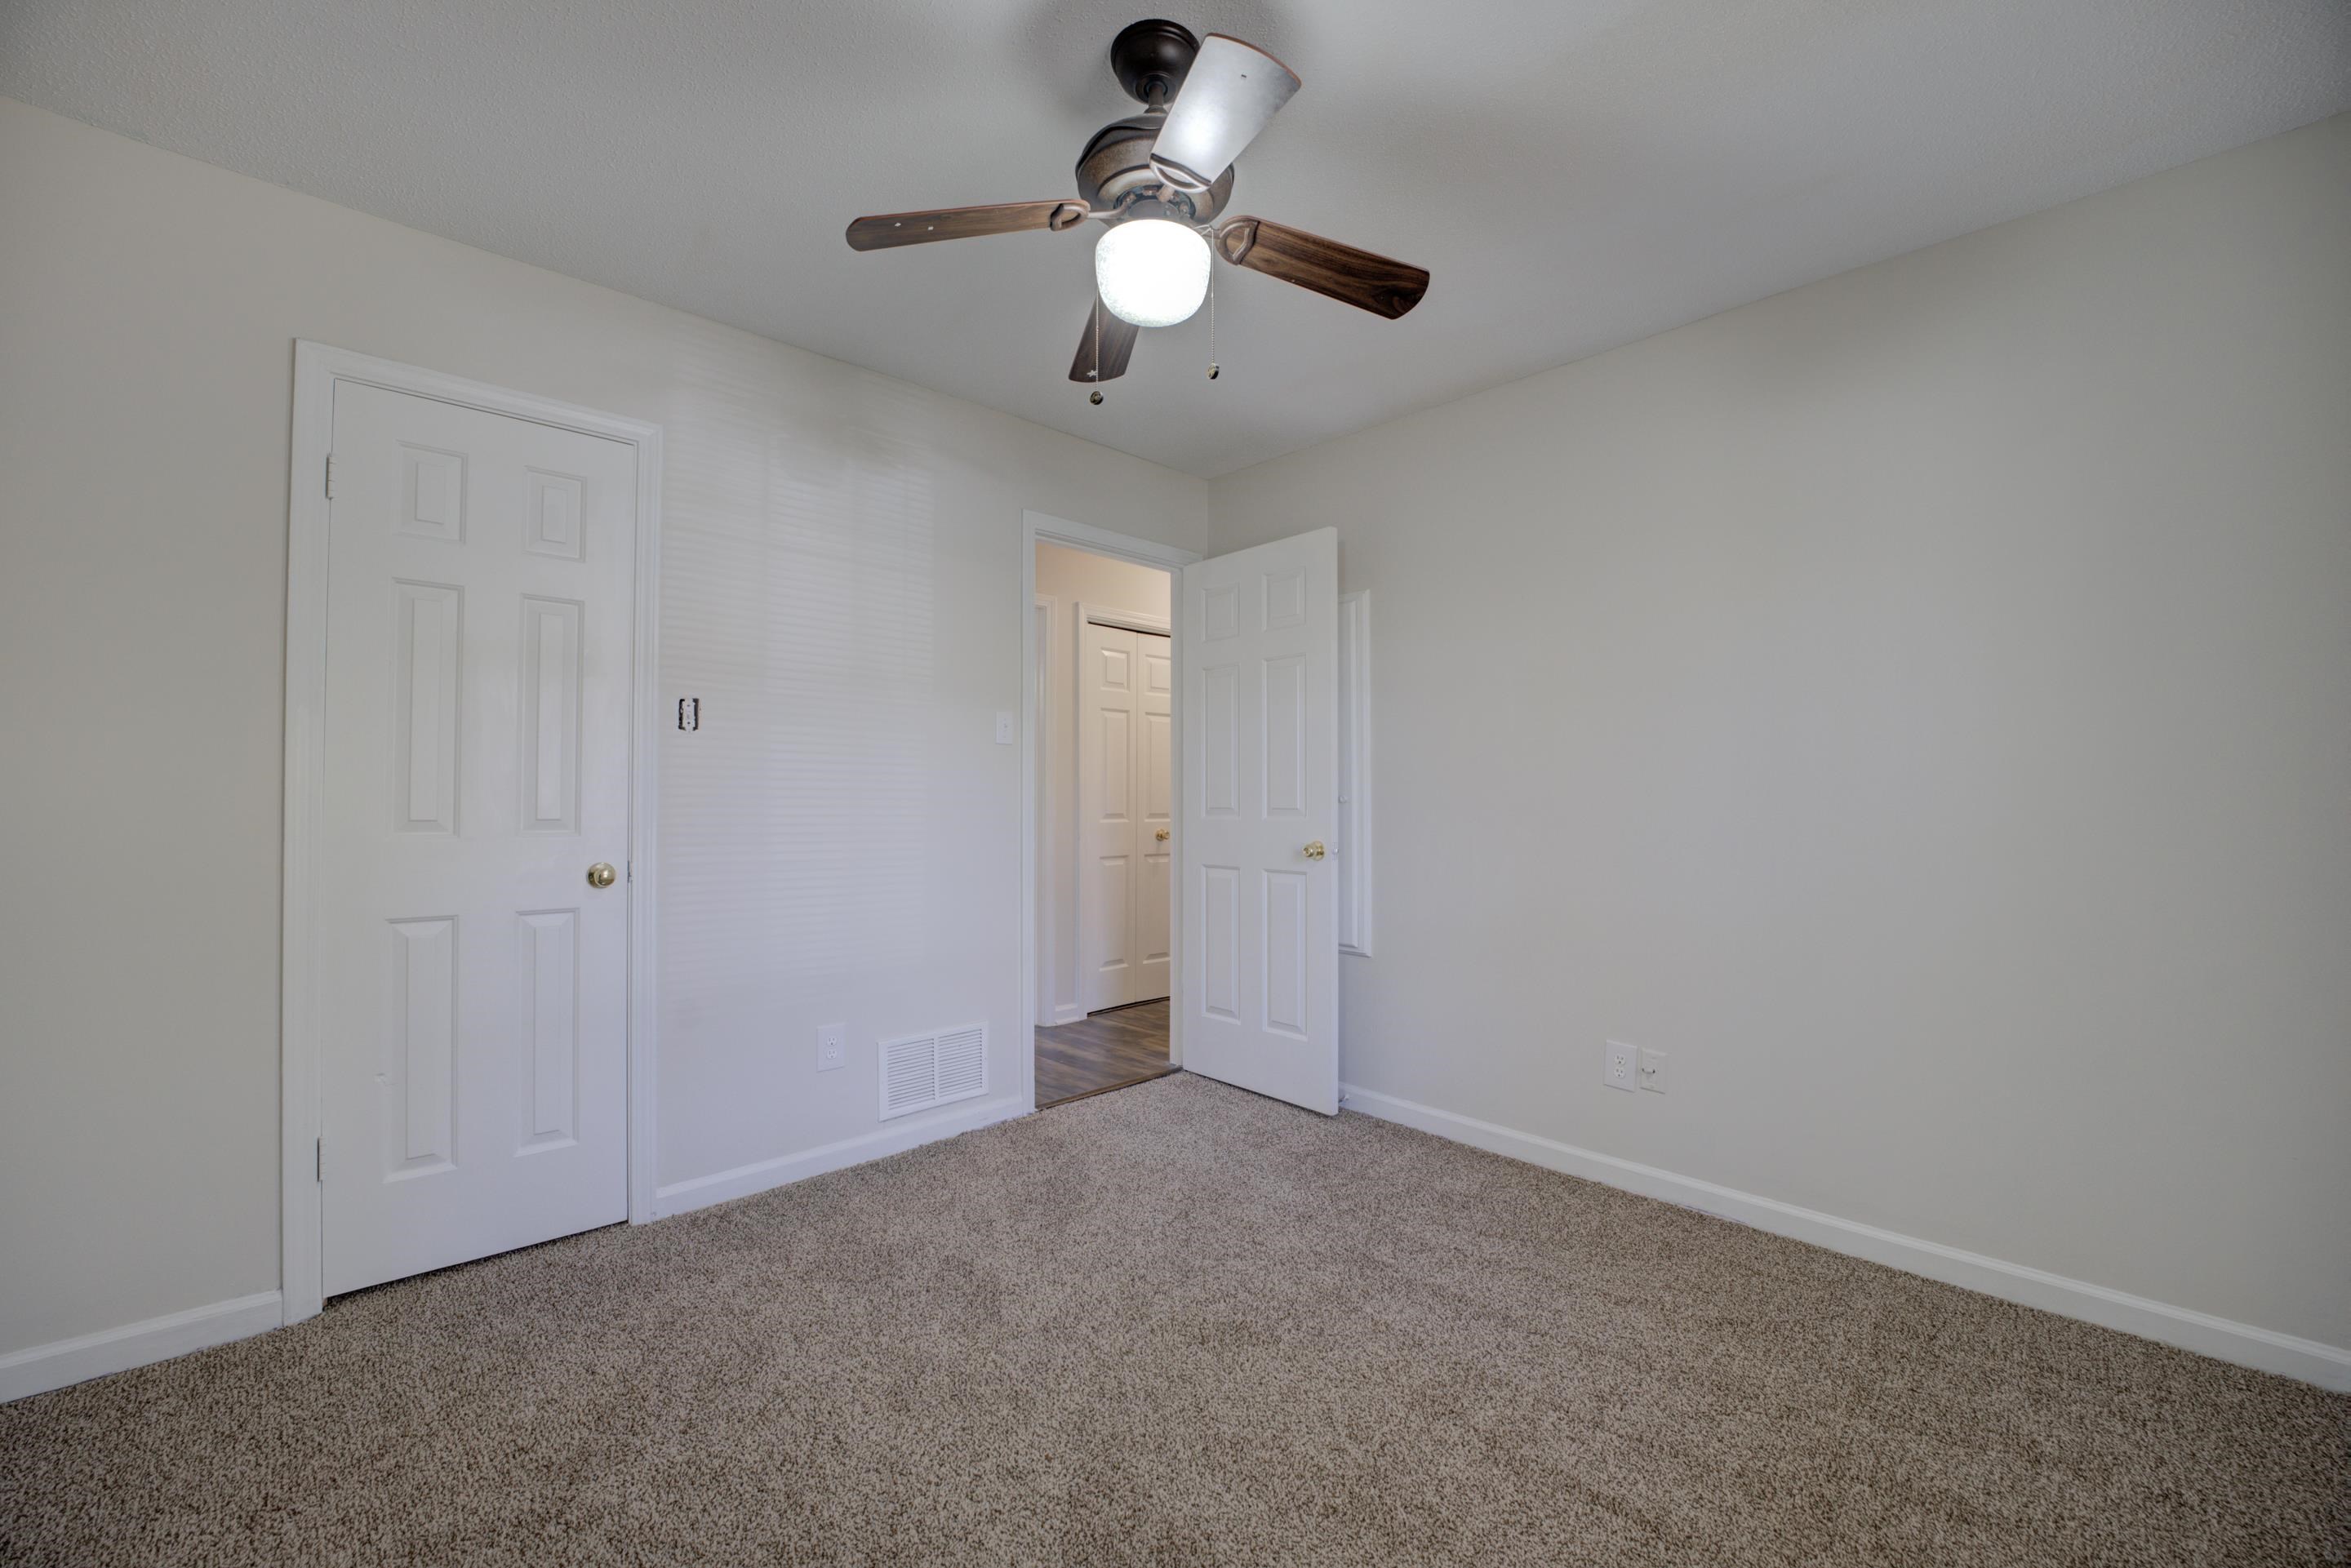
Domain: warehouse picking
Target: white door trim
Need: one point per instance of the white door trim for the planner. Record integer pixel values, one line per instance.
(1044, 978)
(1127, 619)
(1355, 777)
(317, 367)
(1036, 526)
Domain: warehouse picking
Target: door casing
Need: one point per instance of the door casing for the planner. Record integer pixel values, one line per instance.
(317, 367)
(1036, 526)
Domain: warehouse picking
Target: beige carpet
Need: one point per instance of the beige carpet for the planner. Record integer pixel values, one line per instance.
(1180, 1324)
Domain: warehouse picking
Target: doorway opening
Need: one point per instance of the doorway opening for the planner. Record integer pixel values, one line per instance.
(1105, 767)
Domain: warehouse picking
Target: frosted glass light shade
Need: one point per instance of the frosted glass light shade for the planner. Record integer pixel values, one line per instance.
(1153, 272)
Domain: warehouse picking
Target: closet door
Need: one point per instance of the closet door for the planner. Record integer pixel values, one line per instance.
(1109, 712)
(472, 934)
(1154, 821)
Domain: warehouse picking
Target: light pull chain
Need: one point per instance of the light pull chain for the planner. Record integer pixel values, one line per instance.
(1212, 319)
(1096, 398)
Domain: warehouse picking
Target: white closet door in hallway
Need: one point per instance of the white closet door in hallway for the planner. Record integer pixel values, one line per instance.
(1125, 771)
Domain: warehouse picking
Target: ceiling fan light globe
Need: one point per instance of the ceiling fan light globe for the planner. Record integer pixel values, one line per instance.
(1153, 272)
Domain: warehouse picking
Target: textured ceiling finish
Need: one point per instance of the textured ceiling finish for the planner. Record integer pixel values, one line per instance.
(1576, 173)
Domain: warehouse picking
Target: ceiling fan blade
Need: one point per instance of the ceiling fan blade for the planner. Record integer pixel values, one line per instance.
(1352, 277)
(1116, 338)
(1231, 91)
(887, 229)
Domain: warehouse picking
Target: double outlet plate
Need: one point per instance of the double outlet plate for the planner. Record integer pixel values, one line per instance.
(1632, 1067)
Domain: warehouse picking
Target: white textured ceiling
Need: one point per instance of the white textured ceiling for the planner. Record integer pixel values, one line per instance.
(1576, 173)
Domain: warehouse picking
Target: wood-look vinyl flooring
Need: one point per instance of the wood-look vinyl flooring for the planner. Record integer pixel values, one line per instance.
(1101, 1051)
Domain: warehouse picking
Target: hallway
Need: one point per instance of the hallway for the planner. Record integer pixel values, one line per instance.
(1114, 1048)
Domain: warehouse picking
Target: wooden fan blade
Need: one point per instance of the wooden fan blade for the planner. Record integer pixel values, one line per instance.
(1352, 277)
(1231, 91)
(888, 229)
(1117, 340)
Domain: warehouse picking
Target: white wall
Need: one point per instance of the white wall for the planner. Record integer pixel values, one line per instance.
(1919, 703)
(842, 572)
(1071, 578)
(1916, 701)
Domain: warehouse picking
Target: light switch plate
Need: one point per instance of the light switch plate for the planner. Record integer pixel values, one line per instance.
(831, 1046)
(1617, 1067)
(1649, 1068)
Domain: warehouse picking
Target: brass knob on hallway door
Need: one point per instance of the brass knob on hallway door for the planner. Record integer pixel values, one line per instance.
(1161, 835)
(1313, 851)
(601, 875)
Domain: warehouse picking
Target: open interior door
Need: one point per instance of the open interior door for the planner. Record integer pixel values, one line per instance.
(1259, 713)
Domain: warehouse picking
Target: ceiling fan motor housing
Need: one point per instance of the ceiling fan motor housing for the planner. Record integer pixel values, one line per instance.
(1114, 172)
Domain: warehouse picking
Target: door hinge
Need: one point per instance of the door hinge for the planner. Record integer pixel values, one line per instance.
(330, 475)
(318, 1160)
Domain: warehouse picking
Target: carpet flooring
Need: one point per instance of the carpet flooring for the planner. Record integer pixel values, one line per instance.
(1180, 1324)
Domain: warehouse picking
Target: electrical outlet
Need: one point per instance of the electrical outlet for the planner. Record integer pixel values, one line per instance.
(1649, 1067)
(831, 1046)
(1617, 1067)
(1004, 729)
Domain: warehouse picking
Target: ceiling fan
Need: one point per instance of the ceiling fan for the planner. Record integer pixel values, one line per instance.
(1159, 181)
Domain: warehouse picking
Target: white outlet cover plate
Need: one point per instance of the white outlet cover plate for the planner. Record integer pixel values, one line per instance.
(1617, 1067)
(1004, 729)
(1650, 1069)
(831, 1046)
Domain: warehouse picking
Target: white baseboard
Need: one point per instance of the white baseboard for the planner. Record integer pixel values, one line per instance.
(721, 1187)
(1066, 1012)
(2329, 1366)
(45, 1366)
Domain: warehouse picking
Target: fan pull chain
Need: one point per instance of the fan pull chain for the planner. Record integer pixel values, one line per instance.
(1096, 397)
(1212, 323)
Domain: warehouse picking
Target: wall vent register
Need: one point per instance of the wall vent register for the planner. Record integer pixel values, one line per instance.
(922, 1070)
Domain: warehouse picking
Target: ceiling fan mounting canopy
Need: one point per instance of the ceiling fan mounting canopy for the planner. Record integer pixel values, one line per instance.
(1150, 60)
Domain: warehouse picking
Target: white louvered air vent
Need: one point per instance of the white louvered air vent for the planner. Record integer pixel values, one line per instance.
(926, 1070)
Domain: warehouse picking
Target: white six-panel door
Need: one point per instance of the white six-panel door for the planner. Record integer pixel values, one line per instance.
(1155, 813)
(1260, 963)
(1125, 780)
(471, 981)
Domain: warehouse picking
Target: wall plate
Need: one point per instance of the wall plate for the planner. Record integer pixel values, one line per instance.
(1649, 1070)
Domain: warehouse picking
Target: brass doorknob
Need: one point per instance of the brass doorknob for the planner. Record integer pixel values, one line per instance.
(1161, 835)
(1313, 851)
(601, 875)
